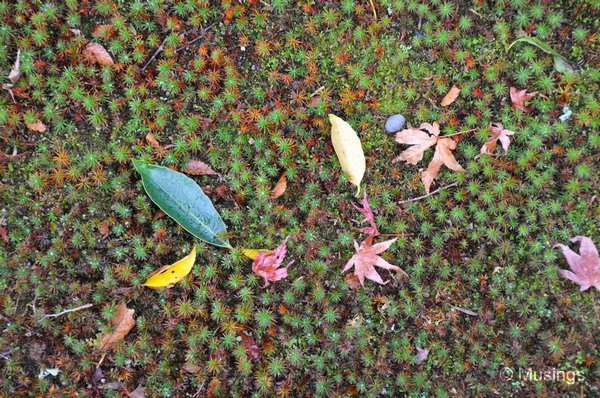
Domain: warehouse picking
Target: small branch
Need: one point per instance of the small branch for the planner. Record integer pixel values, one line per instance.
(459, 133)
(317, 91)
(200, 36)
(429, 194)
(374, 11)
(83, 307)
(158, 51)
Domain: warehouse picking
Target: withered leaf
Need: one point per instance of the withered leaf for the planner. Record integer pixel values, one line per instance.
(366, 211)
(367, 257)
(450, 96)
(38, 126)
(443, 156)
(266, 265)
(139, 392)
(280, 187)
(15, 72)
(96, 53)
(150, 139)
(585, 266)
(196, 167)
(121, 323)
(519, 97)
(422, 354)
(499, 133)
(420, 141)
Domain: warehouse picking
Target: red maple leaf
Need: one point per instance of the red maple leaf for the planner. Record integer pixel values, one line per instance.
(585, 266)
(519, 97)
(366, 211)
(266, 265)
(366, 258)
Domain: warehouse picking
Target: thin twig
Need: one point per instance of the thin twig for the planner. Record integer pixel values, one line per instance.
(83, 307)
(200, 36)
(158, 51)
(459, 133)
(429, 194)
(373, 7)
(317, 91)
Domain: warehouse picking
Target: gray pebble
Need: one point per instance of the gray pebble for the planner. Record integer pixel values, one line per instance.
(394, 123)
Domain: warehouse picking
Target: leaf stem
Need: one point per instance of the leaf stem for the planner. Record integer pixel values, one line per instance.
(429, 194)
(459, 133)
(83, 307)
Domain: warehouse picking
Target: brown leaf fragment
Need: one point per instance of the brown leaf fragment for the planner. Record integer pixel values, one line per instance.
(450, 96)
(121, 323)
(420, 141)
(352, 281)
(280, 187)
(519, 97)
(4, 158)
(499, 133)
(139, 392)
(443, 156)
(251, 347)
(196, 167)
(38, 126)
(96, 53)
(3, 234)
(150, 139)
(15, 72)
(422, 354)
(585, 266)
(367, 257)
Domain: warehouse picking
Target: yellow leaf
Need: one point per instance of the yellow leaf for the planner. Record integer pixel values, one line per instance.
(171, 274)
(251, 253)
(348, 150)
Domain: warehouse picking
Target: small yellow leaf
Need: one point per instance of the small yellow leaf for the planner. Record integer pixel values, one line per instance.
(171, 274)
(251, 253)
(348, 150)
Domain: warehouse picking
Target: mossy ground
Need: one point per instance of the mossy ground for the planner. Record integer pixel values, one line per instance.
(251, 99)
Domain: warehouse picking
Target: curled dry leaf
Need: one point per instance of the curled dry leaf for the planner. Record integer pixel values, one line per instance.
(450, 96)
(280, 187)
(96, 53)
(348, 149)
(585, 266)
(366, 211)
(367, 257)
(420, 141)
(38, 126)
(196, 167)
(171, 274)
(519, 97)
(266, 265)
(15, 72)
(121, 323)
(499, 133)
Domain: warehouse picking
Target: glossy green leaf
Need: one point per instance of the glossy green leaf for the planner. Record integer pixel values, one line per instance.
(183, 200)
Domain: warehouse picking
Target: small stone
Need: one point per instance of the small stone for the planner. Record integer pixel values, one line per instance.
(394, 123)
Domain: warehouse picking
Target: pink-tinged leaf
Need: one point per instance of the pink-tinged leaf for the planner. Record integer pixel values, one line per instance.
(366, 211)
(499, 133)
(196, 167)
(96, 53)
(519, 97)
(38, 126)
(585, 266)
(443, 156)
(366, 259)
(266, 265)
(420, 141)
(422, 354)
(15, 72)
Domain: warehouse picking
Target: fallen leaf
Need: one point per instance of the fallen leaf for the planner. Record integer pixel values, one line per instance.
(450, 96)
(121, 323)
(139, 392)
(465, 311)
(280, 187)
(38, 126)
(3, 234)
(266, 265)
(499, 133)
(560, 63)
(252, 253)
(420, 141)
(96, 53)
(251, 347)
(171, 274)
(76, 32)
(196, 167)
(103, 229)
(366, 258)
(422, 354)
(443, 156)
(585, 266)
(366, 211)
(150, 139)
(15, 72)
(352, 281)
(519, 97)
(348, 150)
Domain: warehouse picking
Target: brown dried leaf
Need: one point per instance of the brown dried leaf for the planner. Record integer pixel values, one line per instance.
(280, 187)
(196, 167)
(139, 392)
(150, 139)
(585, 266)
(422, 354)
(443, 156)
(96, 53)
(3, 234)
(518, 98)
(38, 126)
(367, 257)
(450, 96)
(15, 72)
(121, 323)
(419, 139)
(499, 133)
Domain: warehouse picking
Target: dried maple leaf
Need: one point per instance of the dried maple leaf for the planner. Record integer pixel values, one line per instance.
(585, 266)
(96, 53)
(366, 211)
(420, 141)
(280, 187)
(366, 258)
(442, 156)
(499, 134)
(196, 167)
(121, 323)
(266, 265)
(38, 126)
(519, 97)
